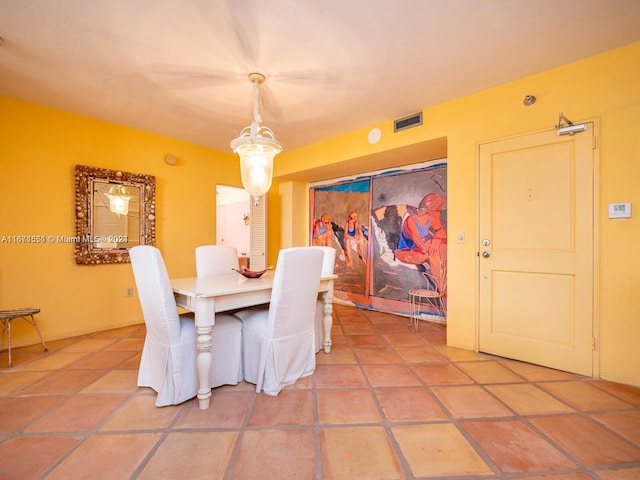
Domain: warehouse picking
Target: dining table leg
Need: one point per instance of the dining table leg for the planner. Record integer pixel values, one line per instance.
(205, 319)
(203, 364)
(327, 320)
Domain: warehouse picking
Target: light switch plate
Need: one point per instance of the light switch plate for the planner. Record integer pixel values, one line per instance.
(620, 210)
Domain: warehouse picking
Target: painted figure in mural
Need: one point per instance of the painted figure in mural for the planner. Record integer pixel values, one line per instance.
(354, 238)
(323, 231)
(423, 238)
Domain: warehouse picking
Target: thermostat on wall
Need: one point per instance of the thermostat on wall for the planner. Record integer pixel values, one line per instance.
(620, 210)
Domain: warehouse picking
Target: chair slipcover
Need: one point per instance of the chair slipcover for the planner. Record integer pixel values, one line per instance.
(328, 265)
(278, 339)
(168, 363)
(215, 259)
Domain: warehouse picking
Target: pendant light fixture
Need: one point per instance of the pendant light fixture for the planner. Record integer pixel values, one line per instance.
(118, 199)
(256, 145)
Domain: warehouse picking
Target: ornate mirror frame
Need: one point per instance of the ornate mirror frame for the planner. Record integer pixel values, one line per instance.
(87, 250)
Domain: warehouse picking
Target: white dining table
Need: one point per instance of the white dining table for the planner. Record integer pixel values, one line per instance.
(206, 296)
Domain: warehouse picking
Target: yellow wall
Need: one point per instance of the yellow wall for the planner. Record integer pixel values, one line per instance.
(603, 88)
(38, 150)
(39, 147)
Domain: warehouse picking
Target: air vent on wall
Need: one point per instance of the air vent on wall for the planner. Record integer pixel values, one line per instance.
(407, 122)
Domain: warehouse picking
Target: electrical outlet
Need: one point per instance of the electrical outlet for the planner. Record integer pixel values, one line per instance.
(129, 292)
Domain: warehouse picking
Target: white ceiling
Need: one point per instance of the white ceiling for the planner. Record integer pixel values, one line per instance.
(180, 67)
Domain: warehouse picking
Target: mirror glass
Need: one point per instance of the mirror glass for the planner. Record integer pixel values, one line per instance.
(115, 226)
(115, 211)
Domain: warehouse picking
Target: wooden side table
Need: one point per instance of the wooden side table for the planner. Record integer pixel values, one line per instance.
(7, 316)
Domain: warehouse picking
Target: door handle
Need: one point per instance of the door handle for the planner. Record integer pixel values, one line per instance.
(486, 254)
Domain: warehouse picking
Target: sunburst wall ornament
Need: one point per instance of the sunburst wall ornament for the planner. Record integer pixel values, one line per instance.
(256, 145)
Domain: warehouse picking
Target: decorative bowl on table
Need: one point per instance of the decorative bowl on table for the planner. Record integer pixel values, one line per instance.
(244, 271)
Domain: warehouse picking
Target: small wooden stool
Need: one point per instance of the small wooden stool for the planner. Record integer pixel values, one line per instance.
(7, 316)
(420, 298)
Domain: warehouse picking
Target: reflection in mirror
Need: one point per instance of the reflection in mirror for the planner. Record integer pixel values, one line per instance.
(116, 215)
(114, 211)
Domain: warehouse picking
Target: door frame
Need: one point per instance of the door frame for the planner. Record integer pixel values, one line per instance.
(596, 208)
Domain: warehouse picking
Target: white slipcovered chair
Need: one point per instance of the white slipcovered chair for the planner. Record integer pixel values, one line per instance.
(328, 265)
(278, 338)
(168, 363)
(215, 259)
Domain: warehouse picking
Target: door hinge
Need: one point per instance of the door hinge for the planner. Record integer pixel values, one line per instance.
(593, 343)
(594, 142)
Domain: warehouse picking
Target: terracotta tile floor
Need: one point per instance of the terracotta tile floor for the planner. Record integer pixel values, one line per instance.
(385, 404)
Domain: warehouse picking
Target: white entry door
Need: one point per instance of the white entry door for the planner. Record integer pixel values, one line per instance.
(536, 253)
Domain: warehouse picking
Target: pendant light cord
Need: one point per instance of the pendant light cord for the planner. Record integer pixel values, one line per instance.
(256, 102)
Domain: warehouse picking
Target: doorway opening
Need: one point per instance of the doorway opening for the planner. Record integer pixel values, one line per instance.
(233, 210)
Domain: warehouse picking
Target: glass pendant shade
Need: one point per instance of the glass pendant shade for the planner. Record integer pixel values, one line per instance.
(256, 159)
(256, 145)
(118, 199)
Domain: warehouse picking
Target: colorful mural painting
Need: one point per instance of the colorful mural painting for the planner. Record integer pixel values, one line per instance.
(389, 230)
